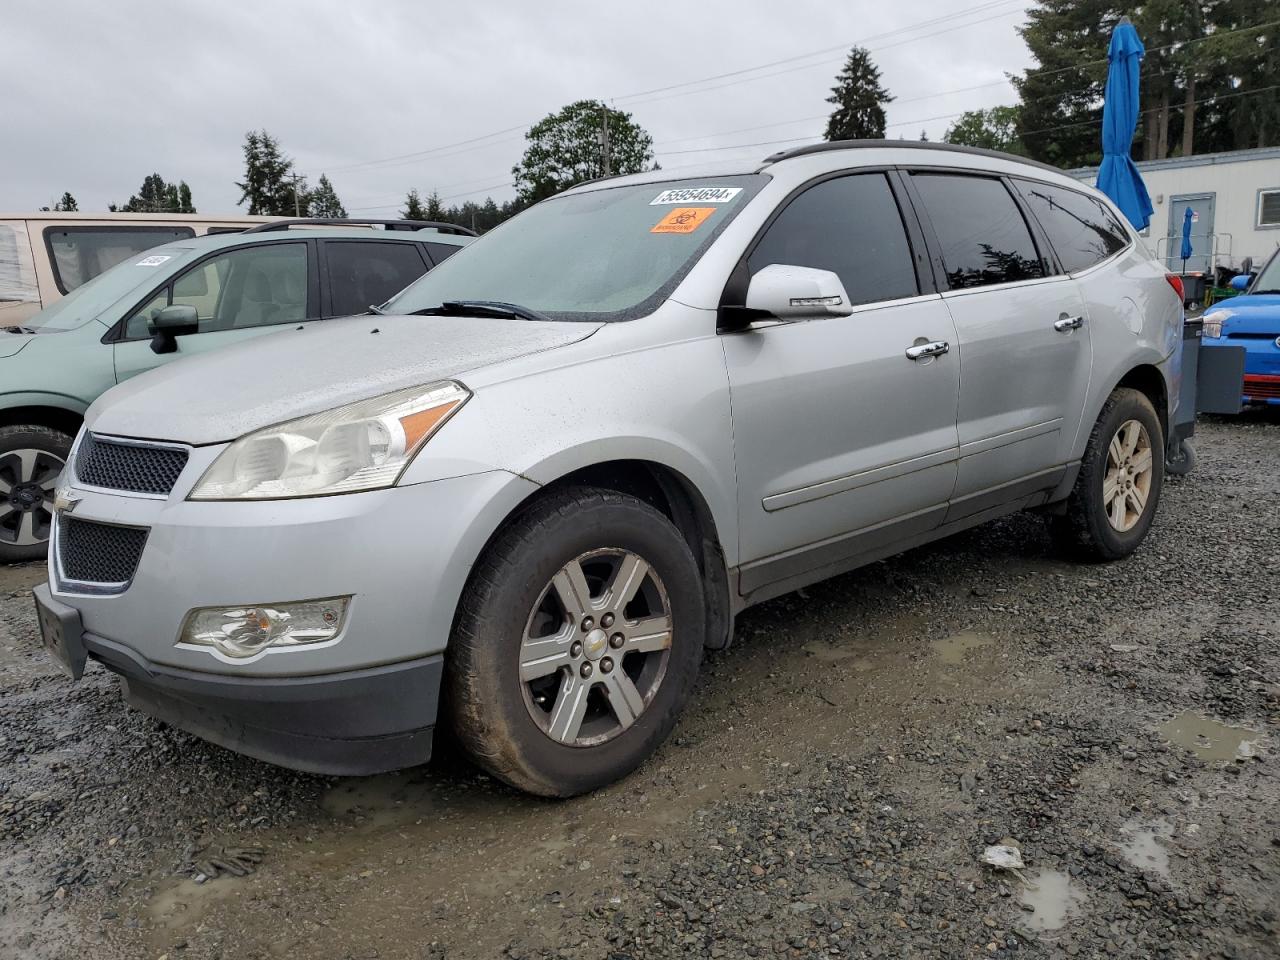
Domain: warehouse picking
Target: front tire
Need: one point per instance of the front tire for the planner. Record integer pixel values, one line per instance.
(31, 459)
(576, 644)
(1115, 497)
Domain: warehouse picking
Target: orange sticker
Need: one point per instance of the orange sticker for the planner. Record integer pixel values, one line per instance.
(683, 220)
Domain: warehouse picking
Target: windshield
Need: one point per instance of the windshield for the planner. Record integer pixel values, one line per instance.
(1269, 279)
(90, 299)
(608, 254)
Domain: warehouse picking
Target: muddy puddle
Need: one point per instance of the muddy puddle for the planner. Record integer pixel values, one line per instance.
(1053, 898)
(1144, 845)
(954, 649)
(1210, 739)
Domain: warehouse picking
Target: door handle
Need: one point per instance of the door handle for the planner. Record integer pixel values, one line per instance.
(1066, 324)
(927, 351)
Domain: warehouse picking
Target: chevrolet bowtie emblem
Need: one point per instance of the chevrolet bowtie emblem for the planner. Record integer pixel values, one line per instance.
(64, 502)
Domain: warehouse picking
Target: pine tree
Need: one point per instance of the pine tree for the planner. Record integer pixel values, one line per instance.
(413, 207)
(859, 100)
(157, 196)
(323, 201)
(435, 209)
(67, 204)
(270, 185)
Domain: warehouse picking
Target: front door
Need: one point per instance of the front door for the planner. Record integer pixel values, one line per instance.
(1024, 342)
(842, 443)
(1201, 259)
(239, 294)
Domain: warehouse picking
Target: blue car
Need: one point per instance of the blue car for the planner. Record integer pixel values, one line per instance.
(1252, 321)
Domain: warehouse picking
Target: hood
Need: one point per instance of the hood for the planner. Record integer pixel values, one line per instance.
(224, 394)
(1251, 313)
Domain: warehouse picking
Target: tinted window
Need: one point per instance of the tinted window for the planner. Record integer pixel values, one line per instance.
(78, 254)
(1083, 232)
(250, 287)
(983, 236)
(364, 273)
(850, 226)
(442, 251)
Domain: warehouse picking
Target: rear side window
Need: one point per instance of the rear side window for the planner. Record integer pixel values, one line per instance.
(850, 226)
(983, 236)
(17, 275)
(442, 251)
(78, 254)
(365, 273)
(1083, 231)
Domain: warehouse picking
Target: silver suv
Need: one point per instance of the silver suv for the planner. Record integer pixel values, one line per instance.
(534, 486)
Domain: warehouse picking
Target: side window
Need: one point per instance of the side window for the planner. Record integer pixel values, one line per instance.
(365, 273)
(442, 251)
(17, 274)
(851, 226)
(1083, 231)
(250, 287)
(78, 254)
(983, 236)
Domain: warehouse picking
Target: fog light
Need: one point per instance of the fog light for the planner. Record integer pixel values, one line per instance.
(245, 631)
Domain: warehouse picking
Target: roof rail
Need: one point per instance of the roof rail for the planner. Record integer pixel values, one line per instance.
(908, 145)
(344, 222)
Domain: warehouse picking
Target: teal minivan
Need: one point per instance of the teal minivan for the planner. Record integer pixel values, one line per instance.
(178, 299)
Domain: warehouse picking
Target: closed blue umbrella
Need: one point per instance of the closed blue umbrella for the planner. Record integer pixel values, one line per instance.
(1118, 178)
(1187, 217)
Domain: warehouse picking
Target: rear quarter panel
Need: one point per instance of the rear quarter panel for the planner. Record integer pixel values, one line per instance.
(1135, 318)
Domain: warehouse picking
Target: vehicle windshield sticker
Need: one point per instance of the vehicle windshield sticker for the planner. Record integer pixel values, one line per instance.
(151, 261)
(683, 220)
(696, 195)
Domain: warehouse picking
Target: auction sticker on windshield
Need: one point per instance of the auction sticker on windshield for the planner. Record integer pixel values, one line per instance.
(683, 220)
(153, 261)
(696, 195)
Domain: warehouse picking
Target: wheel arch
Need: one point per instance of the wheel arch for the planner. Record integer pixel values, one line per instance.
(676, 496)
(1149, 380)
(43, 412)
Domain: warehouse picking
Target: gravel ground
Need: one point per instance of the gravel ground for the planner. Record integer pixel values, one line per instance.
(830, 792)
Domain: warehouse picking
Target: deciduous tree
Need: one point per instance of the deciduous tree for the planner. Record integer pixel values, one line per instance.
(566, 148)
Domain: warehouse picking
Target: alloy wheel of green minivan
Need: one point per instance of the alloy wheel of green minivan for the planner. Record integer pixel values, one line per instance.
(31, 459)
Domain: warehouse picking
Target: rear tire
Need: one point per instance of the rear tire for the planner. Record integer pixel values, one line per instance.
(31, 459)
(577, 642)
(1115, 497)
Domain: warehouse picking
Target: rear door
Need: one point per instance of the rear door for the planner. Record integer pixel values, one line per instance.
(1024, 340)
(238, 294)
(842, 443)
(359, 274)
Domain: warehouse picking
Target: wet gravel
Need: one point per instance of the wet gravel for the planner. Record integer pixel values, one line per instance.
(830, 793)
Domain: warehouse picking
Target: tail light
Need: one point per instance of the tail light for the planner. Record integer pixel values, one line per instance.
(1175, 281)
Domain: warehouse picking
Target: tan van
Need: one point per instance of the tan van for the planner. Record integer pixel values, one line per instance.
(44, 256)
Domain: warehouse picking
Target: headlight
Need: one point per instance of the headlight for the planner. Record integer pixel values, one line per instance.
(362, 446)
(1213, 322)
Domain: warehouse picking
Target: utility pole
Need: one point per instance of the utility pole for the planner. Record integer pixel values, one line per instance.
(605, 159)
(297, 203)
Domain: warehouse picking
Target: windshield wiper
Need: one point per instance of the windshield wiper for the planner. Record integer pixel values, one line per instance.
(481, 308)
(17, 329)
(378, 310)
(1252, 292)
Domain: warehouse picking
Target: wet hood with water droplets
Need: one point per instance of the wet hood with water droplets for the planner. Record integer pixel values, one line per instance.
(219, 396)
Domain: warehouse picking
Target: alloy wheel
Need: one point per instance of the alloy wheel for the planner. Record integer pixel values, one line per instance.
(595, 647)
(27, 481)
(1126, 485)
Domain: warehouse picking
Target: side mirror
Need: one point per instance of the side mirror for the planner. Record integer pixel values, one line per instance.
(797, 293)
(171, 322)
(1241, 282)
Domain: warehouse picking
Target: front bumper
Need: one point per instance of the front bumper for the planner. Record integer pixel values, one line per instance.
(360, 703)
(346, 724)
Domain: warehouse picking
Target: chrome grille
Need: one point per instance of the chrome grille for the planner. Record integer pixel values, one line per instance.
(101, 553)
(134, 467)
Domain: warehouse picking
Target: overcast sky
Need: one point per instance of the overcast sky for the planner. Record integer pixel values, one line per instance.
(99, 94)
